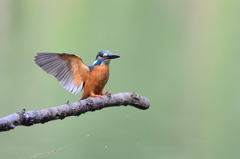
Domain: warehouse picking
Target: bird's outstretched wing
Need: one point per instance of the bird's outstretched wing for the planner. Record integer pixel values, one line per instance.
(69, 69)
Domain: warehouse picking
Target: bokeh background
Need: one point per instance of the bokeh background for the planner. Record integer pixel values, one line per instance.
(182, 54)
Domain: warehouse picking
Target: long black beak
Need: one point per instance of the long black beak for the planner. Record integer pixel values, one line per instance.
(112, 56)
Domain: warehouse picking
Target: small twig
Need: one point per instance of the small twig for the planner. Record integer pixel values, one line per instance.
(28, 118)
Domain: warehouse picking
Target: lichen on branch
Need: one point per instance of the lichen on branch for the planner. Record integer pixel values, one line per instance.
(28, 118)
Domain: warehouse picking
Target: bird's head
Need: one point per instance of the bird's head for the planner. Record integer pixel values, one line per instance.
(103, 58)
(106, 54)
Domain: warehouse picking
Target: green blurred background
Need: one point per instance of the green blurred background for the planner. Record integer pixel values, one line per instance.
(182, 54)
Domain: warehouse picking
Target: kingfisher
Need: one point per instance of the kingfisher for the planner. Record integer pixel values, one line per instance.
(74, 75)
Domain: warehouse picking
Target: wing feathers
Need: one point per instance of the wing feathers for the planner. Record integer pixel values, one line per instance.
(67, 68)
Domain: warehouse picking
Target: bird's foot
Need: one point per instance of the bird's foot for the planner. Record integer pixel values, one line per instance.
(106, 93)
(98, 96)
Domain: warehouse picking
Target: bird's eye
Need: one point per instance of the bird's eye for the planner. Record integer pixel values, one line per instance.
(104, 55)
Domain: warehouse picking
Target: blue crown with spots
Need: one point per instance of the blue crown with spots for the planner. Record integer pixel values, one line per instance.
(100, 53)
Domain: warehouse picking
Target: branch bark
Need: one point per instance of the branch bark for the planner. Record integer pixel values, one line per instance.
(28, 118)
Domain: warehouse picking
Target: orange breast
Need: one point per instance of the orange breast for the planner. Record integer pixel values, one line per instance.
(96, 81)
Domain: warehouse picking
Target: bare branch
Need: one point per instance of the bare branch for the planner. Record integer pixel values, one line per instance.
(28, 118)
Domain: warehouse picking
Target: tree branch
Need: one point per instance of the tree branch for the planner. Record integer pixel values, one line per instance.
(28, 118)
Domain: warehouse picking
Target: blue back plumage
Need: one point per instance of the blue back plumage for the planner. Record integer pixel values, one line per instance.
(96, 63)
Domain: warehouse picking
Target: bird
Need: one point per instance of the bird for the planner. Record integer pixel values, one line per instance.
(74, 75)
